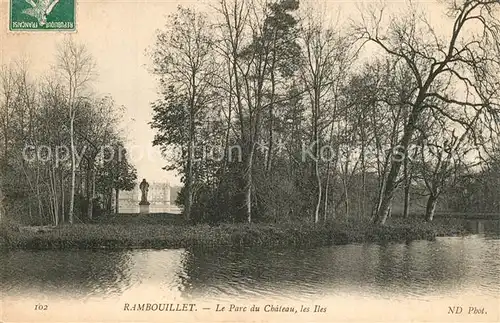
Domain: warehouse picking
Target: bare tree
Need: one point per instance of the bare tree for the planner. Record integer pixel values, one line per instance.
(7, 79)
(96, 128)
(183, 59)
(326, 59)
(251, 44)
(76, 67)
(2, 208)
(446, 154)
(467, 59)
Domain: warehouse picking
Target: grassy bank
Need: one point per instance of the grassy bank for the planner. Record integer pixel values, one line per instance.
(155, 236)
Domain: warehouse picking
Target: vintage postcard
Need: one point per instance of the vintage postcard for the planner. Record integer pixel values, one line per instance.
(249, 161)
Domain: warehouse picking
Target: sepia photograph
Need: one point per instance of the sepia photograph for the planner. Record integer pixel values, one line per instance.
(249, 161)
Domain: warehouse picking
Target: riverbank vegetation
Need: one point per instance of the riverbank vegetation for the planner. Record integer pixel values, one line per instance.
(259, 235)
(273, 113)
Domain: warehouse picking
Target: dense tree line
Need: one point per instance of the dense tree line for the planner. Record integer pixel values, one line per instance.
(61, 152)
(276, 114)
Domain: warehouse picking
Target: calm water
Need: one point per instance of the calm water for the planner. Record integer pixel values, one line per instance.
(417, 270)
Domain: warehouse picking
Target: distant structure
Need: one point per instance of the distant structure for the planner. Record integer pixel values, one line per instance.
(159, 196)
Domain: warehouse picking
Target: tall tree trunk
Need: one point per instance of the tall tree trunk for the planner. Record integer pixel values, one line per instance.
(387, 196)
(346, 196)
(93, 195)
(345, 182)
(39, 196)
(63, 206)
(189, 177)
(89, 190)
(117, 201)
(37, 187)
(316, 152)
(53, 195)
(54, 192)
(431, 207)
(320, 192)
(109, 200)
(248, 183)
(406, 209)
(328, 172)
(391, 182)
(327, 186)
(407, 179)
(228, 131)
(2, 208)
(73, 170)
(271, 120)
(363, 175)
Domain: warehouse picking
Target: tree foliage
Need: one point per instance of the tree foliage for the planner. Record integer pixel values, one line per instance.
(52, 137)
(323, 131)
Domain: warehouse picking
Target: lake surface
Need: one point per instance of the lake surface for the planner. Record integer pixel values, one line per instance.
(420, 271)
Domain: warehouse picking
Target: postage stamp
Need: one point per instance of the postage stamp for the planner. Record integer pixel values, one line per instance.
(42, 15)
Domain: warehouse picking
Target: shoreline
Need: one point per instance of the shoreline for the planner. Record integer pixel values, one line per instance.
(99, 236)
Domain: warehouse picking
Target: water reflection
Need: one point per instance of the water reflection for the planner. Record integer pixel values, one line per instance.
(92, 274)
(448, 266)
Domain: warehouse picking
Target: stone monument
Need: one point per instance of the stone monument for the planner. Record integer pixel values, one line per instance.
(144, 204)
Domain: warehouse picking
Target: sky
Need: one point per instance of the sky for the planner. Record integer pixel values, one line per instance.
(117, 34)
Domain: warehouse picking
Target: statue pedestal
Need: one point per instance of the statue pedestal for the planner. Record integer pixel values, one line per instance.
(144, 207)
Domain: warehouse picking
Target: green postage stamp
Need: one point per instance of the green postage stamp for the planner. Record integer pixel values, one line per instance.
(42, 15)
